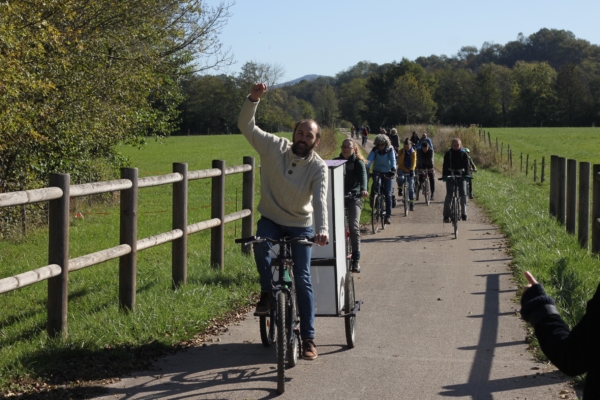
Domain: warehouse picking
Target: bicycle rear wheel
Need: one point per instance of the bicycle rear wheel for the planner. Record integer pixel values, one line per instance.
(349, 303)
(375, 214)
(426, 191)
(281, 341)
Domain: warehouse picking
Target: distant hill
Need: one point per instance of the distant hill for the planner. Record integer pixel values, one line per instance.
(304, 78)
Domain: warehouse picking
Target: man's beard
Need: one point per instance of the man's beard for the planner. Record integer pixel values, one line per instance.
(303, 150)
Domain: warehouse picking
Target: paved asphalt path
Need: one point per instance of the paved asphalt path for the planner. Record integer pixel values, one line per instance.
(438, 321)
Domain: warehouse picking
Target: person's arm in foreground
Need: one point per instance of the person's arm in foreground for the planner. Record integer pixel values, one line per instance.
(572, 351)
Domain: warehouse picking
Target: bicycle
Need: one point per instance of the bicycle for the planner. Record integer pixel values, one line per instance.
(405, 200)
(426, 185)
(282, 325)
(455, 202)
(378, 208)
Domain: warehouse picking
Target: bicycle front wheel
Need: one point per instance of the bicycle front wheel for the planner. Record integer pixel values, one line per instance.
(382, 211)
(426, 192)
(281, 341)
(375, 214)
(293, 324)
(455, 217)
(405, 200)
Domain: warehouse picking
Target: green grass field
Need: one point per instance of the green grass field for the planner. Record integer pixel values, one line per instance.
(581, 144)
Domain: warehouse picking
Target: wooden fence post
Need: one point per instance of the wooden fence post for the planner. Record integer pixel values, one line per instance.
(596, 210)
(571, 195)
(543, 178)
(562, 190)
(128, 233)
(553, 185)
(490, 139)
(497, 149)
(527, 166)
(217, 245)
(180, 216)
(58, 253)
(521, 162)
(248, 202)
(535, 170)
(583, 233)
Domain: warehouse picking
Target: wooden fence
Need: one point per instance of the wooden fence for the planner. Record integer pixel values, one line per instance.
(58, 193)
(570, 206)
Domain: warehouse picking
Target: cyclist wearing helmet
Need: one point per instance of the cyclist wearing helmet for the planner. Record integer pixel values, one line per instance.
(383, 159)
(425, 162)
(456, 159)
(474, 169)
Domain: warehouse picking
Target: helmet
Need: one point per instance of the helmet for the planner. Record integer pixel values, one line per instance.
(467, 150)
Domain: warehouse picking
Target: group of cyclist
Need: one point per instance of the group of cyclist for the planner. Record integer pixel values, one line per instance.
(294, 191)
(297, 175)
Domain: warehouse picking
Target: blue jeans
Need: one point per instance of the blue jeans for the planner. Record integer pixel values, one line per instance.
(301, 257)
(387, 185)
(411, 185)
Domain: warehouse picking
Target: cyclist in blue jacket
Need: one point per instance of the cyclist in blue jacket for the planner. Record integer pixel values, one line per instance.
(383, 159)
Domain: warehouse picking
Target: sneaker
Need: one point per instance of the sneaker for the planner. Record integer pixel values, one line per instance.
(309, 350)
(263, 307)
(411, 207)
(355, 266)
(463, 217)
(388, 221)
(446, 220)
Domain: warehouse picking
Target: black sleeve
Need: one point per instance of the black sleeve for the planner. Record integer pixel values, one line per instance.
(573, 351)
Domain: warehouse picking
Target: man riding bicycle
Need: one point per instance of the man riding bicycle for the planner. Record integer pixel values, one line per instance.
(407, 162)
(425, 161)
(291, 176)
(456, 159)
(383, 159)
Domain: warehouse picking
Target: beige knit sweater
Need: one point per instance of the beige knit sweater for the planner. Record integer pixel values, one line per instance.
(288, 183)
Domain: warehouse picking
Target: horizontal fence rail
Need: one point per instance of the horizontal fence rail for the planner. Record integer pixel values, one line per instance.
(60, 191)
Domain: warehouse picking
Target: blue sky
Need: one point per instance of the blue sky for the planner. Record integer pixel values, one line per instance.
(328, 36)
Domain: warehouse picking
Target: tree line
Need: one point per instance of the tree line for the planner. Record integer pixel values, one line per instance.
(550, 78)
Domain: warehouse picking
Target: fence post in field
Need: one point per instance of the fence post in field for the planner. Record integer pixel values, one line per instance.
(490, 139)
(497, 148)
(248, 202)
(561, 208)
(542, 178)
(571, 195)
(511, 154)
(217, 234)
(527, 166)
(583, 232)
(535, 170)
(553, 185)
(596, 210)
(128, 233)
(179, 246)
(501, 150)
(521, 157)
(58, 253)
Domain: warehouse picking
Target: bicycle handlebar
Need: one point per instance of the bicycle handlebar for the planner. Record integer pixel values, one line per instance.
(352, 196)
(258, 239)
